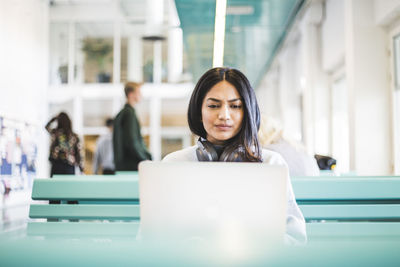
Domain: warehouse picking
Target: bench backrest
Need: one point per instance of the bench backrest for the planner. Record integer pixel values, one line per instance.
(349, 207)
(99, 197)
(345, 207)
(333, 198)
(349, 199)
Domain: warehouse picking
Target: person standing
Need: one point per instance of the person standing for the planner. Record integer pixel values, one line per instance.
(104, 155)
(129, 147)
(273, 137)
(65, 148)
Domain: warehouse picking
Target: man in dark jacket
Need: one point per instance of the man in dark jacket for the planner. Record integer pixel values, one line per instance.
(129, 148)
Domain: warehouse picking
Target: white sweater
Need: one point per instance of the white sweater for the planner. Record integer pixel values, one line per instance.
(295, 224)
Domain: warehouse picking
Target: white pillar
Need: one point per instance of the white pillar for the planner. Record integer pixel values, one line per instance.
(289, 95)
(117, 103)
(71, 52)
(307, 82)
(135, 59)
(155, 104)
(43, 144)
(154, 17)
(175, 44)
(175, 54)
(155, 127)
(117, 52)
(314, 84)
(54, 51)
(369, 90)
(154, 24)
(78, 115)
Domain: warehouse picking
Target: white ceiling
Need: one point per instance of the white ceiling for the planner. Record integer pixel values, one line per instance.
(95, 17)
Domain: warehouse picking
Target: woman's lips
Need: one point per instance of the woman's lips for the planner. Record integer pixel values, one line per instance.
(223, 127)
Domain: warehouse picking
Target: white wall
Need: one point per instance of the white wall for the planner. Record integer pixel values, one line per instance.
(24, 65)
(347, 39)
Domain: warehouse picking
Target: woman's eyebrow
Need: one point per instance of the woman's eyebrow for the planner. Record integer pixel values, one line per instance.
(218, 100)
(213, 99)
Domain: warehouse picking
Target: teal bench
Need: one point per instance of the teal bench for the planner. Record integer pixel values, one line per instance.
(105, 206)
(349, 207)
(334, 207)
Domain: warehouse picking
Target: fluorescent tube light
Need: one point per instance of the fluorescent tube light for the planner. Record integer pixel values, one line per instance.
(219, 33)
(240, 10)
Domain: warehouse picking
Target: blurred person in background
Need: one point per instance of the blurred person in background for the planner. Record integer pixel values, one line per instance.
(272, 137)
(129, 147)
(104, 155)
(65, 148)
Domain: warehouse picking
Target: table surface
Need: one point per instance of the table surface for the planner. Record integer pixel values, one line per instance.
(19, 249)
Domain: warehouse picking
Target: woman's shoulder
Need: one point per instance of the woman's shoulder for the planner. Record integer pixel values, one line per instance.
(272, 157)
(186, 154)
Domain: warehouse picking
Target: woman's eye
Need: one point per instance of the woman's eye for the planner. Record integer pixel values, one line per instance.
(212, 106)
(236, 106)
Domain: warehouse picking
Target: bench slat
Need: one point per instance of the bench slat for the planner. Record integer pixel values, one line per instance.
(83, 211)
(353, 229)
(357, 188)
(83, 228)
(118, 173)
(84, 176)
(95, 188)
(351, 212)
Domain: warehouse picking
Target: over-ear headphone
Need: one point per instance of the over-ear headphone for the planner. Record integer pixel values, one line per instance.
(206, 152)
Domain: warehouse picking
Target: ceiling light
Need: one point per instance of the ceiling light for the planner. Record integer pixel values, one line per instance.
(240, 10)
(219, 33)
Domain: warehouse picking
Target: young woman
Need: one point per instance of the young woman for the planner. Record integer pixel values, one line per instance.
(65, 148)
(224, 113)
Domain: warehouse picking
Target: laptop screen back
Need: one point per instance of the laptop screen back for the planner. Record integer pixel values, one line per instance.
(212, 201)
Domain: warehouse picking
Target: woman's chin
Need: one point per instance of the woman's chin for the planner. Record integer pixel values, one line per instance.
(220, 139)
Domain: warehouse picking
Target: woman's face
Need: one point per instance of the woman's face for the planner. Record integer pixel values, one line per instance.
(222, 113)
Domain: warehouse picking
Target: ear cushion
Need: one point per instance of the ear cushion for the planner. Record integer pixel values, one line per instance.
(205, 151)
(233, 154)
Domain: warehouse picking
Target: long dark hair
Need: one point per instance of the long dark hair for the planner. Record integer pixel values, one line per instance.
(247, 136)
(64, 123)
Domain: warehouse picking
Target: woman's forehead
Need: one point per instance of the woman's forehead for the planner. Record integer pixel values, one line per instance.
(223, 91)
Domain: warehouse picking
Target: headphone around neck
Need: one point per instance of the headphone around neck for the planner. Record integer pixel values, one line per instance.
(206, 152)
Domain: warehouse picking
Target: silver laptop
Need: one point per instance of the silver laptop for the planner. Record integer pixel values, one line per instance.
(227, 203)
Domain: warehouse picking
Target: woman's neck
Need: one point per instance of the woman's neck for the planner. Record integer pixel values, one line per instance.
(219, 149)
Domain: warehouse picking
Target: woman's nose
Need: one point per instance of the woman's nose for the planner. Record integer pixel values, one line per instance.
(224, 113)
